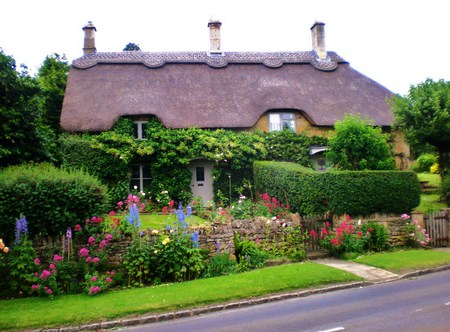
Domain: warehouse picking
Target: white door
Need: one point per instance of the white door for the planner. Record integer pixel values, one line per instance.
(201, 181)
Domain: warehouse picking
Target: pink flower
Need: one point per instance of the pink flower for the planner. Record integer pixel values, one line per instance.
(95, 260)
(49, 291)
(108, 237)
(108, 279)
(52, 266)
(119, 204)
(94, 278)
(94, 290)
(77, 228)
(36, 274)
(323, 232)
(405, 216)
(112, 213)
(103, 244)
(37, 261)
(84, 252)
(327, 224)
(45, 274)
(91, 240)
(313, 233)
(88, 259)
(34, 287)
(359, 234)
(57, 258)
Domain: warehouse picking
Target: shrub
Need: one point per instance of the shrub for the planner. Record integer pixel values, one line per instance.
(424, 162)
(415, 235)
(52, 199)
(248, 255)
(342, 240)
(339, 192)
(219, 265)
(376, 236)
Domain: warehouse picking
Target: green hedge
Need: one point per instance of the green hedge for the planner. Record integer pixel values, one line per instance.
(338, 192)
(50, 198)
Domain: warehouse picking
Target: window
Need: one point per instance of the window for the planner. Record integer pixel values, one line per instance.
(140, 177)
(140, 129)
(280, 121)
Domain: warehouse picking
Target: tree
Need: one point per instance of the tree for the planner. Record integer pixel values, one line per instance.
(132, 47)
(23, 135)
(424, 116)
(52, 77)
(357, 145)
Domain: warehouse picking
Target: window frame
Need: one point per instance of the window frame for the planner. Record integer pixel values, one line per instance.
(141, 179)
(282, 123)
(140, 133)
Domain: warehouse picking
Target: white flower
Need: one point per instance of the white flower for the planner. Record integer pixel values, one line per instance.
(274, 218)
(135, 187)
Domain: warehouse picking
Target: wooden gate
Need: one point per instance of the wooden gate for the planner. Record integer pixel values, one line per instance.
(436, 224)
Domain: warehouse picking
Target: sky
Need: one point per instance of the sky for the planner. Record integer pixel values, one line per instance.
(397, 43)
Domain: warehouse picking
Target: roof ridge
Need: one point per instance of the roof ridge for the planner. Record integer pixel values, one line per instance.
(215, 60)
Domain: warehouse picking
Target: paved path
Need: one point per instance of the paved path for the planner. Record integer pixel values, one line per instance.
(369, 273)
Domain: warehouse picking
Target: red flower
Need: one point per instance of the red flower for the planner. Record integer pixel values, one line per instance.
(313, 233)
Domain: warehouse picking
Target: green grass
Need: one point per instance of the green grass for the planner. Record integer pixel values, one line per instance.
(29, 313)
(406, 261)
(159, 221)
(430, 203)
(433, 179)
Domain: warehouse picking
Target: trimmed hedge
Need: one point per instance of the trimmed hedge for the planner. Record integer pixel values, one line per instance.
(339, 192)
(50, 198)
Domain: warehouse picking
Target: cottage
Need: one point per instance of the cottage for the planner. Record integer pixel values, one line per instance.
(306, 91)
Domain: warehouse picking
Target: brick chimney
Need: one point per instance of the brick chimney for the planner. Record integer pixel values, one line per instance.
(318, 40)
(89, 39)
(214, 36)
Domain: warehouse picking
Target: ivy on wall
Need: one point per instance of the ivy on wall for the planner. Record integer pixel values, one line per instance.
(110, 154)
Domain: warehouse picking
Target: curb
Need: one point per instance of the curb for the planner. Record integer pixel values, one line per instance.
(153, 318)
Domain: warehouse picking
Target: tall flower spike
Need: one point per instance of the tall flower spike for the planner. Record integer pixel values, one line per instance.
(21, 227)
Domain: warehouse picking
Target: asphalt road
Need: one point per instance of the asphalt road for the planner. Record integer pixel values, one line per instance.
(417, 304)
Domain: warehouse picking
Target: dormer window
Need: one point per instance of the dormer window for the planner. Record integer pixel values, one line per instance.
(140, 129)
(280, 121)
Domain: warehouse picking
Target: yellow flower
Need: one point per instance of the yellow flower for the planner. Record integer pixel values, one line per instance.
(165, 241)
(154, 232)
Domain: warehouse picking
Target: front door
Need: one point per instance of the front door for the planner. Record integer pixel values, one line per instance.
(201, 181)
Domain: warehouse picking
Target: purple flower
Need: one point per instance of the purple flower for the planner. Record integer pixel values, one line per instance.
(218, 246)
(194, 238)
(21, 228)
(69, 233)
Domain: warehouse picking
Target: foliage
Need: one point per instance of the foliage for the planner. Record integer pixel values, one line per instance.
(376, 236)
(292, 243)
(446, 189)
(24, 135)
(357, 145)
(339, 192)
(52, 78)
(415, 235)
(424, 114)
(51, 198)
(132, 47)
(219, 264)
(248, 255)
(19, 267)
(342, 240)
(169, 151)
(424, 163)
(137, 262)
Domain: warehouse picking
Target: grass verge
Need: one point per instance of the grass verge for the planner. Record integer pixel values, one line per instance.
(30, 313)
(405, 261)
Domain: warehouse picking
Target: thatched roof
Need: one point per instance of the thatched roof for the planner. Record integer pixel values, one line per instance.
(230, 90)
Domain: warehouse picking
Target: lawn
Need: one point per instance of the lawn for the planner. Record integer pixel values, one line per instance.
(433, 179)
(30, 313)
(430, 202)
(159, 221)
(406, 261)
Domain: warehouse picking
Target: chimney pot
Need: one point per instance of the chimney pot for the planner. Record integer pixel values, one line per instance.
(89, 38)
(214, 36)
(318, 40)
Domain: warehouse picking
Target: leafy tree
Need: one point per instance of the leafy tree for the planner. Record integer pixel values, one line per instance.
(424, 115)
(357, 145)
(132, 47)
(52, 77)
(23, 134)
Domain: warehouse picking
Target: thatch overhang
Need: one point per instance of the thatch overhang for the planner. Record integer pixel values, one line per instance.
(225, 90)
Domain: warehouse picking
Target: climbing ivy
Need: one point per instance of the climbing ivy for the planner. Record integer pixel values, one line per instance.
(169, 151)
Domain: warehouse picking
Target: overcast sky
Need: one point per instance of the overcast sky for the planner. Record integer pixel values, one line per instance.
(395, 42)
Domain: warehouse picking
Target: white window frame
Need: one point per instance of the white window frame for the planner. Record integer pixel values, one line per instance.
(141, 177)
(141, 134)
(281, 120)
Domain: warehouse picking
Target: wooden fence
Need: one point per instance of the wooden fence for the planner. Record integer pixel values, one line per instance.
(437, 226)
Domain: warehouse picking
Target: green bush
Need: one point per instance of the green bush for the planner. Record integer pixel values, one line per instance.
(424, 163)
(376, 236)
(52, 199)
(446, 189)
(339, 192)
